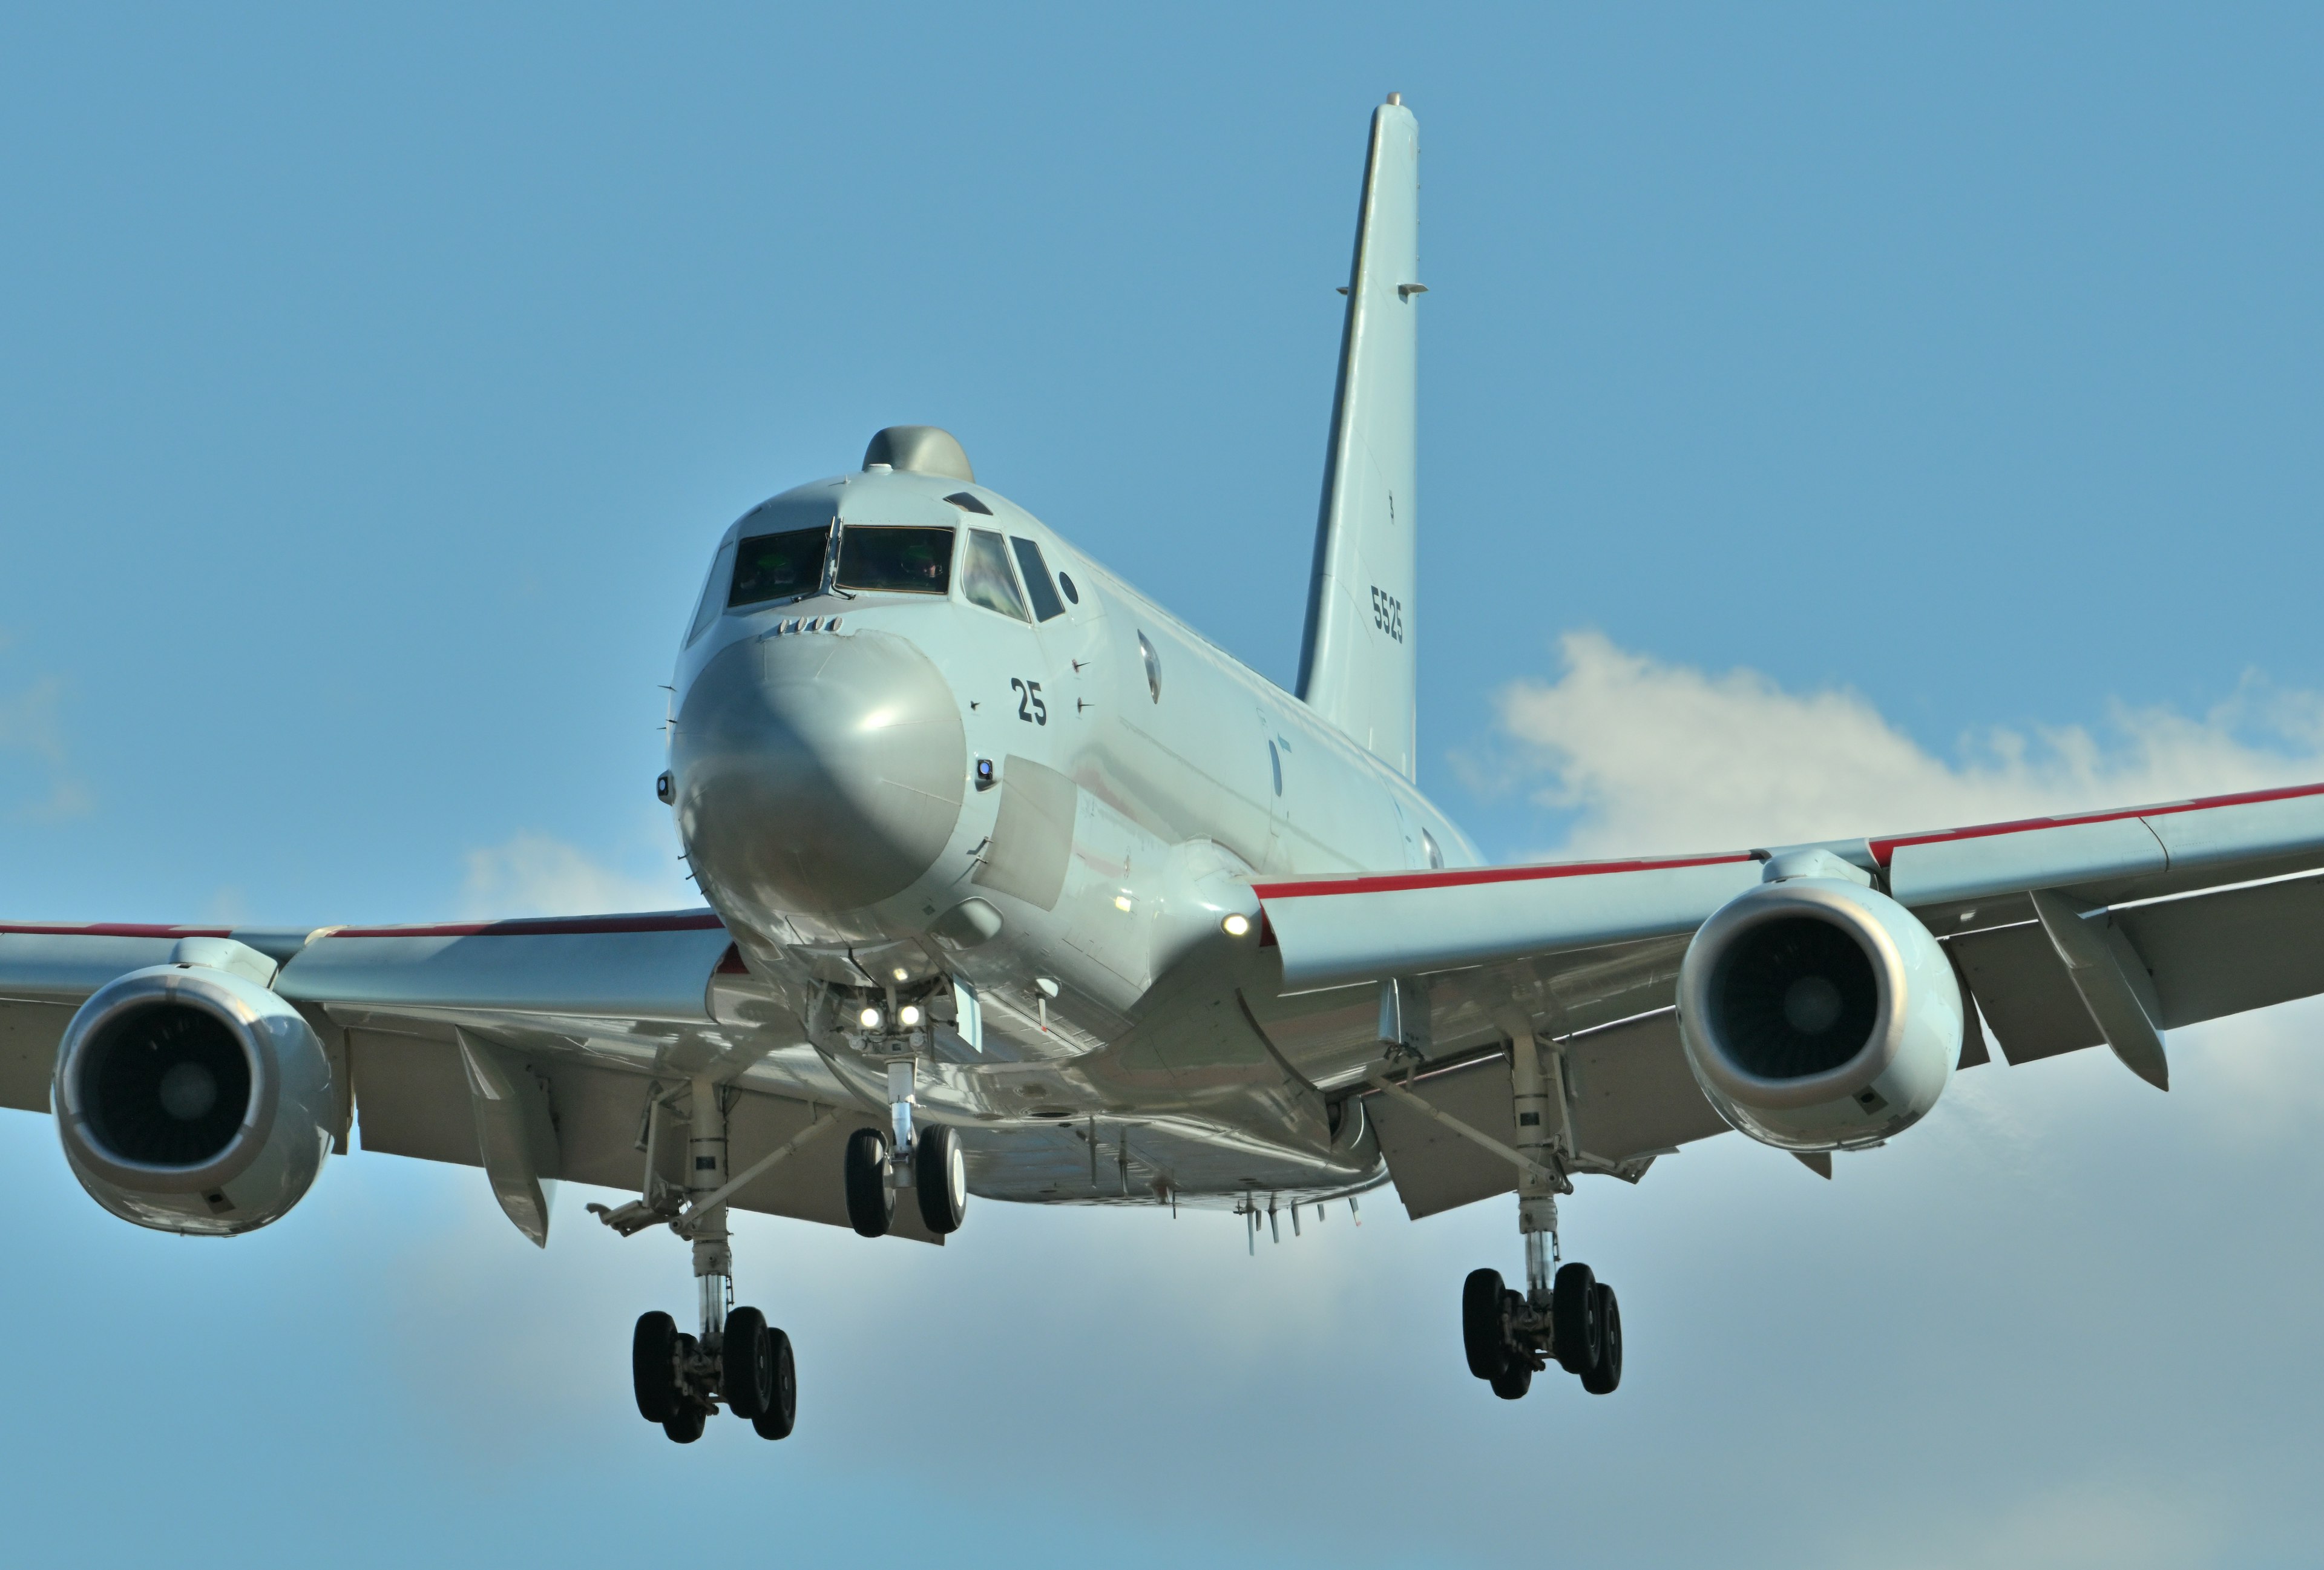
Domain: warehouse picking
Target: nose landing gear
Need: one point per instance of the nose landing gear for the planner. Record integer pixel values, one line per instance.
(931, 1166)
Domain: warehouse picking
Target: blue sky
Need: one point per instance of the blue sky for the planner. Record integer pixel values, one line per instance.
(1833, 420)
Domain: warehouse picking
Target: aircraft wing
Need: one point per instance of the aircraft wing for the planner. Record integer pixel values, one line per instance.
(2185, 911)
(590, 1019)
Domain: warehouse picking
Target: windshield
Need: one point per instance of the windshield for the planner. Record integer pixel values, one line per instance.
(779, 566)
(988, 581)
(706, 611)
(1045, 602)
(913, 562)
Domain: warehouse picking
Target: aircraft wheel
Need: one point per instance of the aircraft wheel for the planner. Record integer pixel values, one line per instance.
(1482, 1333)
(782, 1409)
(687, 1417)
(1573, 1320)
(871, 1203)
(1607, 1372)
(941, 1174)
(746, 1372)
(1512, 1382)
(653, 1366)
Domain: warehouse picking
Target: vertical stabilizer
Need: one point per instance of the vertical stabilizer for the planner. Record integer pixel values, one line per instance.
(1355, 663)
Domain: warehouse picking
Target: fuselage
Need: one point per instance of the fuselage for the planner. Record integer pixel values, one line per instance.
(920, 735)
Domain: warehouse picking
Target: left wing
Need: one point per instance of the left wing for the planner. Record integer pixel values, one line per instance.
(2068, 932)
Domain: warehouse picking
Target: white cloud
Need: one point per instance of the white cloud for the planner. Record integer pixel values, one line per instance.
(29, 723)
(532, 875)
(2068, 1529)
(1652, 757)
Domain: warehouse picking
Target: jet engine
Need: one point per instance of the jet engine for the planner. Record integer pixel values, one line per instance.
(1819, 1014)
(193, 1100)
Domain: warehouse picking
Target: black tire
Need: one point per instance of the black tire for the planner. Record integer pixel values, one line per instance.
(941, 1174)
(684, 1426)
(1574, 1319)
(1606, 1374)
(653, 1365)
(775, 1422)
(1482, 1333)
(871, 1203)
(1512, 1382)
(746, 1371)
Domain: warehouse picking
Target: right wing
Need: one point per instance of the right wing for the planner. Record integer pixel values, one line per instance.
(602, 1016)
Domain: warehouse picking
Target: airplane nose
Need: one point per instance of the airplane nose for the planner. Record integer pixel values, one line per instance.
(818, 772)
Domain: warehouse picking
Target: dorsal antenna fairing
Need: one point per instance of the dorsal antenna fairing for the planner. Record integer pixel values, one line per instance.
(1356, 663)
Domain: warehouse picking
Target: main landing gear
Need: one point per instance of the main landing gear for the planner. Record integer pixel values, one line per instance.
(739, 1360)
(1571, 1318)
(747, 1364)
(1511, 1336)
(931, 1166)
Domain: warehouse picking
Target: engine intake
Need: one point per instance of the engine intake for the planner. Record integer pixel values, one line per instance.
(1818, 1014)
(192, 1099)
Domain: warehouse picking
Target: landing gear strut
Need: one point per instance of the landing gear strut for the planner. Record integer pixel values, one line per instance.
(931, 1166)
(1569, 1317)
(739, 1361)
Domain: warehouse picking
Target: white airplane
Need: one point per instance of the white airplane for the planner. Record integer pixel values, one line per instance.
(1018, 887)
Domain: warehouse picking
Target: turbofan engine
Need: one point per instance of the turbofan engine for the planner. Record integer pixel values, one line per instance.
(1819, 1014)
(190, 1099)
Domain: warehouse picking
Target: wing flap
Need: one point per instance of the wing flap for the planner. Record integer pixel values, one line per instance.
(1435, 1169)
(2222, 953)
(412, 1099)
(1633, 1095)
(29, 1034)
(2025, 992)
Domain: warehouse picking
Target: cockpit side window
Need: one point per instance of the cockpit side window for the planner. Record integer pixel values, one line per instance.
(1428, 845)
(1045, 602)
(889, 560)
(779, 566)
(714, 593)
(987, 580)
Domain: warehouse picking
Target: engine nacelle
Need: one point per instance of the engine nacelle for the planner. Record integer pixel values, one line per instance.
(1818, 1014)
(192, 1100)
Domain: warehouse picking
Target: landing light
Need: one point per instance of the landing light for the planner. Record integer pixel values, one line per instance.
(869, 1018)
(1236, 925)
(1121, 902)
(909, 1016)
(903, 974)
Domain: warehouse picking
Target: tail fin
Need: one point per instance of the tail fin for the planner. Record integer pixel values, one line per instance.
(1355, 662)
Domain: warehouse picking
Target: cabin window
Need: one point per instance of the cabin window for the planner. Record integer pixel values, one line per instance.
(1066, 582)
(1045, 602)
(779, 566)
(713, 592)
(987, 580)
(1153, 667)
(911, 561)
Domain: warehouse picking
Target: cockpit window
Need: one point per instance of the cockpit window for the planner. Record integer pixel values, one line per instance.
(779, 566)
(1045, 602)
(713, 594)
(1428, 843)
(912, 561)
(988, 582)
